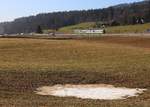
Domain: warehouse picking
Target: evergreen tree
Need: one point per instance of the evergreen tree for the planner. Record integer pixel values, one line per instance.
(134, 20)
(39, 30)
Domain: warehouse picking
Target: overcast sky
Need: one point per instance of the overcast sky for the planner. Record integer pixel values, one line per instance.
(11, 9)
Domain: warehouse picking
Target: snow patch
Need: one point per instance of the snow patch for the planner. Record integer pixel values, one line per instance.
(102, 91)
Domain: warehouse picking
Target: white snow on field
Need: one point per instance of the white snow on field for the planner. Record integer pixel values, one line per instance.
(103, 91)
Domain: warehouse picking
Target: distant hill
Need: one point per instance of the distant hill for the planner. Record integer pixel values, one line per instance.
(123, 14)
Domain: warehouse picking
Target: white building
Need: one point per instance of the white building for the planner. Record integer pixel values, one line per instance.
(89, 31)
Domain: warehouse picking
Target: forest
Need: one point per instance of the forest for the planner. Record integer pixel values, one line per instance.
(123, 14)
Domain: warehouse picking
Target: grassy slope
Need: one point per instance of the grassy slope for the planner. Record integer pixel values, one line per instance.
(129, 28)
(26, 64)
(70, 29)
(116, 29)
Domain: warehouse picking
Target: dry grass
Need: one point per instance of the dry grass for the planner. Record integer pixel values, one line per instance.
(26, 64)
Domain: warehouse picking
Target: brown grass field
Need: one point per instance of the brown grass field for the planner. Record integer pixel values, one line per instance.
(26, 64)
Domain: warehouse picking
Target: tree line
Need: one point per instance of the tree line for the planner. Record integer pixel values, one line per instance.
(122, 14)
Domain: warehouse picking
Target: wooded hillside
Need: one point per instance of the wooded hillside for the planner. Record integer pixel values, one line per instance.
(123, 14)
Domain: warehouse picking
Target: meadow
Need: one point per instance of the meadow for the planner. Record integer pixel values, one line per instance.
(26, 64)
(138, 28)
(70, 29)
